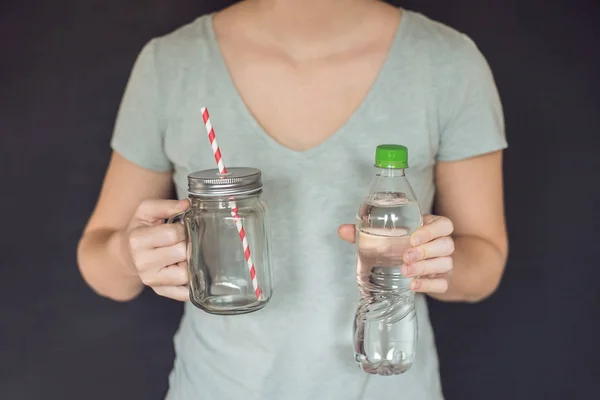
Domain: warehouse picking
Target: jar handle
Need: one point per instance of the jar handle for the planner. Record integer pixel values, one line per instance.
(177, 217)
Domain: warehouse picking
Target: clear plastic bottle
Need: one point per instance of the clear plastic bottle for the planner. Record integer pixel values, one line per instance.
(385, 325)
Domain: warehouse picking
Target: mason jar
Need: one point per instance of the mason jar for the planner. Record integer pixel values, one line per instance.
(227, 239)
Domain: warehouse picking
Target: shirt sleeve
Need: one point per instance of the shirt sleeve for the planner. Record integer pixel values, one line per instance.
(139, 130)
(471, 115)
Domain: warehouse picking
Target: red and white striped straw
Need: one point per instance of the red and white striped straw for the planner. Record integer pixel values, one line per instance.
(234, 209)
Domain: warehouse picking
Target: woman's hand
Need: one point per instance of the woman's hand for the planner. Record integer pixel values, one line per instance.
(158, 250)
(429, 258)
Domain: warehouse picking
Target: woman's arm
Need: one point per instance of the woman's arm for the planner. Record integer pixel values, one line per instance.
(103, 252)
(470, 194)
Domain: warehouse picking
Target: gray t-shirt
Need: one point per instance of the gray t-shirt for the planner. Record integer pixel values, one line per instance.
(434, 94)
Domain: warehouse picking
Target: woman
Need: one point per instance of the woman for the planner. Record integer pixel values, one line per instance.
(304, 90)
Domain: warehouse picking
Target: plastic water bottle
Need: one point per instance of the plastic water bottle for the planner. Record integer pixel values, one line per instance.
(385, 325)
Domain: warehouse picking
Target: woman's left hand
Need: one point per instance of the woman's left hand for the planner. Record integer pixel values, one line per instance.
(429, 258)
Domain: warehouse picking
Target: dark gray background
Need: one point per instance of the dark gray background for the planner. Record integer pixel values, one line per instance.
(63, 67)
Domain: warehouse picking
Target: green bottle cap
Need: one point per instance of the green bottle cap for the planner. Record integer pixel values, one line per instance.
(391, 156)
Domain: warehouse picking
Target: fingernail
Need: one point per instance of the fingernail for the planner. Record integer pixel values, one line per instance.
(411, 256)
(182, 204)
(405, 270)
(415, 284)
(415, 240)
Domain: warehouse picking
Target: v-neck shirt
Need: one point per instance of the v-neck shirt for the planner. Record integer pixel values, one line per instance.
(435, 93)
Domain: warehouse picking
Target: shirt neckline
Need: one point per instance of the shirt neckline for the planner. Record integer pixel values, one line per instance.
(358, 115)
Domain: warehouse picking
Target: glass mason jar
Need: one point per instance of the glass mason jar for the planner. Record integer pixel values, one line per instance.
(227, 238)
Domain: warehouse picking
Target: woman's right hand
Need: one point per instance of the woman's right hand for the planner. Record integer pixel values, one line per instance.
(157, 249)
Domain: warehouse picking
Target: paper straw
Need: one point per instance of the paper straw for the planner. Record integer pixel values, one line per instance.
(234, 209)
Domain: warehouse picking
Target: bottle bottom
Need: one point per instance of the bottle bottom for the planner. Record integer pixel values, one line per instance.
(385, 334)
(384, 368)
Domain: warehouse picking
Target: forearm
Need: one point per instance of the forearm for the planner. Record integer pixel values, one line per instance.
(106, 265)
(478, 267)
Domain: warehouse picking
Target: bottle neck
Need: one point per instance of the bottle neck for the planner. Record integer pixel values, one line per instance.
(390, 172)
(391, 180)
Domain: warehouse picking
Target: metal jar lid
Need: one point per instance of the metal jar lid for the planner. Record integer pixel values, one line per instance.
(236, 182)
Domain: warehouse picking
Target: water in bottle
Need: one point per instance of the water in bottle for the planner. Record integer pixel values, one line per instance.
(385, 326)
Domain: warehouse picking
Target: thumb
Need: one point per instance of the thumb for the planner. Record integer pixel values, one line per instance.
(347, 232)
(158, 209)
